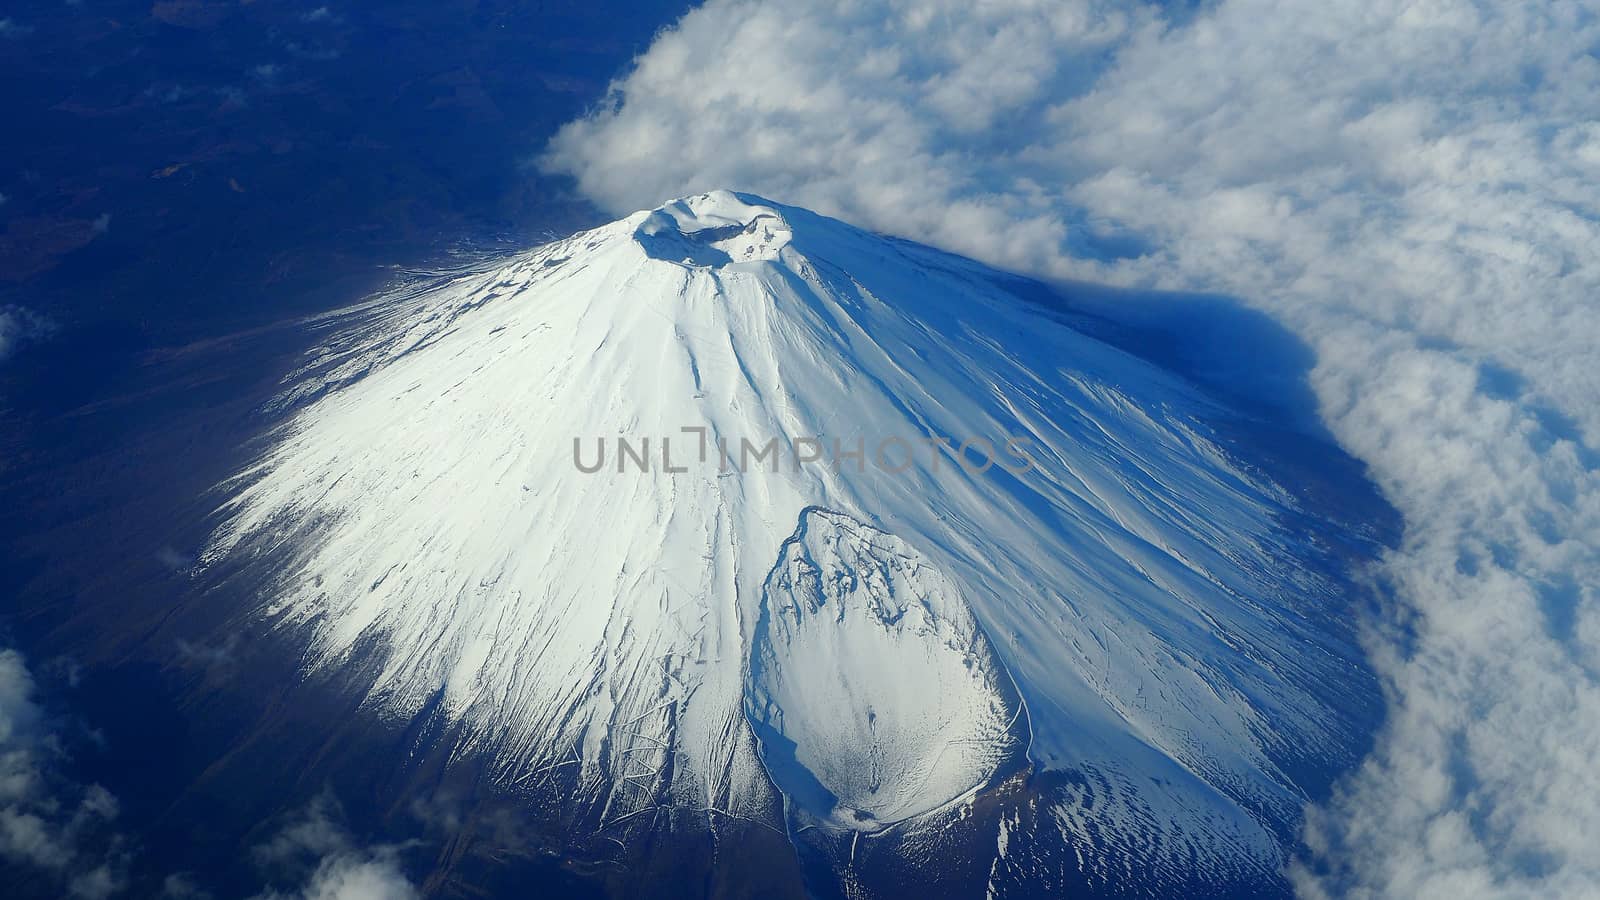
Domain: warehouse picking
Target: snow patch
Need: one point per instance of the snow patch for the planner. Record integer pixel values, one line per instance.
(874, 693)
(714, 229)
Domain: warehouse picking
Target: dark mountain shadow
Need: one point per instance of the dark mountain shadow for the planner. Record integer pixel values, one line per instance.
(1238, 354)
(1254, 365)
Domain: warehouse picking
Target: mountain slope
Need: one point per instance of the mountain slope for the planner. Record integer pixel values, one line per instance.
(875, 695)
(782, 569)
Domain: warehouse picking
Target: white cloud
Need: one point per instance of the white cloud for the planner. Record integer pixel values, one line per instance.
(48, 823)
(10, 29)
(10, 329)
(182, 886)
(355, 878)
(62, 830)
(17, 326)
(339, 868)
(1414, 187)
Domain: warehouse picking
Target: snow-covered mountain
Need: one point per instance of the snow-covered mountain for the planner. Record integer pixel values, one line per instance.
(674, 515)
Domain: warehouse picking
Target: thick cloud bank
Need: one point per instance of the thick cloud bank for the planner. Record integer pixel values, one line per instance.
(1414, 187)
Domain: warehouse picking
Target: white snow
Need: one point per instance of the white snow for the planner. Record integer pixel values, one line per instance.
(875, 695)
(1137, 586)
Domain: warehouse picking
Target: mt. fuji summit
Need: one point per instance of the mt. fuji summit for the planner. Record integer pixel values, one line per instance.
(729, 520)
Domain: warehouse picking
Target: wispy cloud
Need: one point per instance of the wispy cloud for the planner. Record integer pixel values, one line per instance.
(50, 826)
(12, 30)
(17, 327)
(1414, 187)
(328, 863)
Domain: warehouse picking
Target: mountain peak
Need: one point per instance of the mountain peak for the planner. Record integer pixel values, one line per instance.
(714, 229)
(693, 527)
